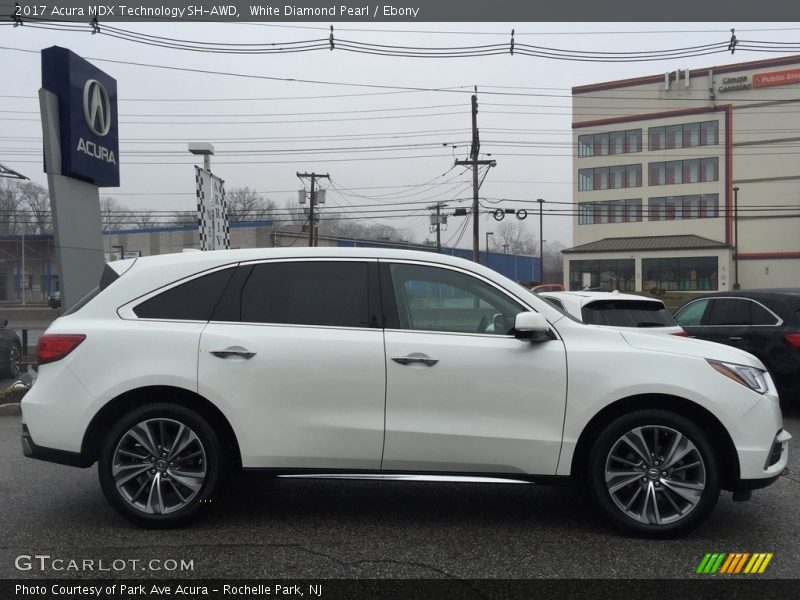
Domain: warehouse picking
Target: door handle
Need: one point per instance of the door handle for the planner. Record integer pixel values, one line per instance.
(735, 338)
(415, 359)
(228, 353)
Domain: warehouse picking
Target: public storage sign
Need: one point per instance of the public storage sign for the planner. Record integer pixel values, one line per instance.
(87, 109)
(776, 78)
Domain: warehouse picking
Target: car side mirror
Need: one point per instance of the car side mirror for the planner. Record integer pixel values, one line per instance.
(532, 326)
(3, 323)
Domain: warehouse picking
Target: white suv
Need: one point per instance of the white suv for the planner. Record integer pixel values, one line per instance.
(362, 361)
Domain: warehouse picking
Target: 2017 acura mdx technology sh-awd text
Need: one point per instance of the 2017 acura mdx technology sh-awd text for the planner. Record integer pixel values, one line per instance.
(183, 367)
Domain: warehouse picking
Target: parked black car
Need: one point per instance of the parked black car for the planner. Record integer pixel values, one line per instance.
(54, 300)
(10, 350)
(765, 323)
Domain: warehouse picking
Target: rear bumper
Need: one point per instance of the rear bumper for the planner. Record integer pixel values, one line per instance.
(62, 457)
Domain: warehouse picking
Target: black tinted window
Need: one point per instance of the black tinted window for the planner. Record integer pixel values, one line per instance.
(739, 311)
(307, 293)
(190, 301)
(627, 313)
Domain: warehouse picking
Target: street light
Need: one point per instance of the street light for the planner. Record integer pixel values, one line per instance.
(203, 149)
(736, 285)
(488, 233)
(541, 243)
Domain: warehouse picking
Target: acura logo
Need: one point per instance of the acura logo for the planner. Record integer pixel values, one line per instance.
(96, 107)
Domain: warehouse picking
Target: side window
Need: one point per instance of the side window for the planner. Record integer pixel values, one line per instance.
(691, 315)
(328, 293)
(435, 299)
(190, 301)
(734, 311)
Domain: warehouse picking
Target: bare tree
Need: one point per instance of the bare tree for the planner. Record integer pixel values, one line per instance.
(553, 262)
(245, 204)
(113, 214)
(512, 237)
(10, 203)
(36, 201)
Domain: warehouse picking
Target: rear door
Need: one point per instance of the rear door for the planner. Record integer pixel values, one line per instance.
(743, 323)
(294, 356)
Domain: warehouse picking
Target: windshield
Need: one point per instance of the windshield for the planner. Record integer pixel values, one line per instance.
(627, 313)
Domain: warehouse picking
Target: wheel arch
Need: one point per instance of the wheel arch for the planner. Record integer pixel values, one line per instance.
(718, 436)
(133, 399)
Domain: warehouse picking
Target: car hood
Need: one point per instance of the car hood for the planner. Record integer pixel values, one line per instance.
(690, 347)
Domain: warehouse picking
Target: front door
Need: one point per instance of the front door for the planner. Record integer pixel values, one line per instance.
(463, 394)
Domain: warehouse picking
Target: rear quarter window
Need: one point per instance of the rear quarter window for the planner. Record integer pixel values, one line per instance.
(190, 301)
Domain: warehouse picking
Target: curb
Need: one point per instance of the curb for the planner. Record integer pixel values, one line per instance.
(11, 409)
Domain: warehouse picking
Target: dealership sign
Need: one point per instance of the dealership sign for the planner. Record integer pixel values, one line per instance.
(87, 111)
(776, 78)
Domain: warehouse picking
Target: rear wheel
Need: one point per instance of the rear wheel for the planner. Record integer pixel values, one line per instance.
(159, 465)
(653, 473)
(14, 353)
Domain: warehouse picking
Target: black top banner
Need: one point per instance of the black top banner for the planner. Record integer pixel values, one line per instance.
(407, 11)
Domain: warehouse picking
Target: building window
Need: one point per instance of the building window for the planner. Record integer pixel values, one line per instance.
(605, 178)
(611, 142)
(656, 135)
(709, 169)
(606, 275)
(614, 211)
(585, 143)
(686, 135)
(684, 171)
(676, 208)
(709, 133)
(685, 273)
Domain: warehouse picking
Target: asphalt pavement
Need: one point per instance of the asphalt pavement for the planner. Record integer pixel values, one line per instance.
(266, 528)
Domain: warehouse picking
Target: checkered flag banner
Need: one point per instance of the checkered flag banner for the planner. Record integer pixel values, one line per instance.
(212, 211)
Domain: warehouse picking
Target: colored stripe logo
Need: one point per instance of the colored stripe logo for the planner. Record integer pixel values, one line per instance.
(734, 563)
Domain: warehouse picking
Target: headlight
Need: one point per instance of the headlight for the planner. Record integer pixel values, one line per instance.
(748, 376)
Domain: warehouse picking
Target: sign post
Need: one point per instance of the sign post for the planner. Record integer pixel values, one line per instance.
(78, 104)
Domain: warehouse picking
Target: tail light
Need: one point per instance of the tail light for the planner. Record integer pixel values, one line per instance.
(793, 339)
(680, 334)
(55, 346)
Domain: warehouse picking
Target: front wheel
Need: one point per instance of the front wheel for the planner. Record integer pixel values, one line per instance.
(159, 464)
(653, 473)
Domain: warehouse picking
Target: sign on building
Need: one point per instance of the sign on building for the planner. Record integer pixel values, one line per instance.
(212, 211)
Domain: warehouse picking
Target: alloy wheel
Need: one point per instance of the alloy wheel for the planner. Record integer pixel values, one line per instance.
(655, 475)
(159, 466)
(13, 360)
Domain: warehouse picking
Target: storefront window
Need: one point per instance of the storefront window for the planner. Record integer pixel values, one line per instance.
(685, 273)
(606, 275)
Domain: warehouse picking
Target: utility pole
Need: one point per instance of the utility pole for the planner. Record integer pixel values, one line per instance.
(437, 221)
(311, 202)
(541, 243)
(475, 163)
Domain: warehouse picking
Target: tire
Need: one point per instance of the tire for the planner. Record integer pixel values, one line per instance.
(652, 455)
(147, 477)
(14, 354)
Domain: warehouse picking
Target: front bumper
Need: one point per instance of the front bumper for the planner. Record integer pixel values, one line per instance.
(62, 457)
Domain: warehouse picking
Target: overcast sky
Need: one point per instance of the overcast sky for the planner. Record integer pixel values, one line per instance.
(527, 130)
